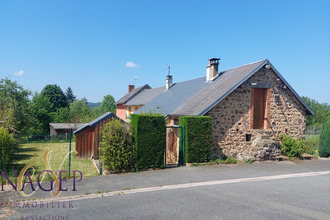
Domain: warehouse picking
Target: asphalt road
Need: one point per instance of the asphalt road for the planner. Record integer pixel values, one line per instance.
(269, 190)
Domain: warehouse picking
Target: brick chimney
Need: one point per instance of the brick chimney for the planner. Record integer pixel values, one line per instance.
(212, 69)
(130, 87)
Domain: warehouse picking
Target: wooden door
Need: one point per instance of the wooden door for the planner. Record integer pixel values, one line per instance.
(172, 146)
(259, 108)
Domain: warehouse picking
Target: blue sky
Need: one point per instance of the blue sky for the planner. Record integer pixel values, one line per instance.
(87, 44)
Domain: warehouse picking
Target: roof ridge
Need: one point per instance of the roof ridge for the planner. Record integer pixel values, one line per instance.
(244, 65)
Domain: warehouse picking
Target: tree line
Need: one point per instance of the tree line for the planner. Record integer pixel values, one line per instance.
(24, 112)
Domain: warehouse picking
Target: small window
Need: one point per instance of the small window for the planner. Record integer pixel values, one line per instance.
(176, 121)
(248, 137)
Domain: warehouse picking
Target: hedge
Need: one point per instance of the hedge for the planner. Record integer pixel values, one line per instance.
(198, 138)
(324, 144)
(7, 147)
(150, 140)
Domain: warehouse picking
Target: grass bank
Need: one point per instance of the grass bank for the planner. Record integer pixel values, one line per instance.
(32, 154)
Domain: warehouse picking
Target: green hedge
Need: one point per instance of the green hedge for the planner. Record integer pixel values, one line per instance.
(7, 147)
(150, 140)
(324, 145)
(198, 138)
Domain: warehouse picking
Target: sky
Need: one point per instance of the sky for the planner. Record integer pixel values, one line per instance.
(98, 47)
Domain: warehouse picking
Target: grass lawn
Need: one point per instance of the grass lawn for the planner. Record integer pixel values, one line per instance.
(32, 154)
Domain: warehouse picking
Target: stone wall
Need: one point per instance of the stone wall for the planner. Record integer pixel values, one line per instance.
(232, 133)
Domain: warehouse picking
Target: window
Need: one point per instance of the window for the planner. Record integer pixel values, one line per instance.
(176, 121)
(260, 108)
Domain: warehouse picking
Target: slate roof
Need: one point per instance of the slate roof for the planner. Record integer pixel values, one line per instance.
(172, 98)
(66, 126)
(145, 96)
(197, 97)
(96, 121)
(132, 94)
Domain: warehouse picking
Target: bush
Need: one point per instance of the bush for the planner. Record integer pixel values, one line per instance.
(291, 147)
(198, 138)
(117, 146)
(324, 145)
(150, 140)
(7, 147)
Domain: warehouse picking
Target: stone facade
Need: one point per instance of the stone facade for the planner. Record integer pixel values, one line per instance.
(233, 133)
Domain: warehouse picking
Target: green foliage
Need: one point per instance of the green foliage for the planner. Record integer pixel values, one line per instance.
(40, 110)
(7, 147)
(14, 106)
(69, 95)
(324, 146)
(80, 112)
(321, 112)
(150, 140)
(198, 138)
(117, 146)
(56, 96)
(108, 104)
(62, 115)
(311, 145)
(292, 147)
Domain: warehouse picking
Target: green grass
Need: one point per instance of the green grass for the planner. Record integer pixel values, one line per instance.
(32, 154)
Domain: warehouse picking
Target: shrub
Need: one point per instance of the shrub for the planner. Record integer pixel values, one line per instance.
(324, 145)
(291, 147)
(117, 146)
(7, 147)
(198, 138)
(150, 140)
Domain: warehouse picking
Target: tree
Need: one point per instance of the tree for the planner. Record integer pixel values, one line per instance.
(321, 112)
(14, 106)
(41, 109)
(56, 96)
(108, 104)
(62, 115)
(69, 95)
(80, 111)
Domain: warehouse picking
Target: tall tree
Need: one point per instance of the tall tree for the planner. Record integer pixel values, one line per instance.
(40, 109)
(69, 95)
(80, 111)
(14, 106)
(56, 96)
(321, 112)
(108, 104)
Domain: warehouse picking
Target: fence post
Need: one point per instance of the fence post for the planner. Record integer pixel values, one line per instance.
(70, 151)
(100, 157)
(183, 146)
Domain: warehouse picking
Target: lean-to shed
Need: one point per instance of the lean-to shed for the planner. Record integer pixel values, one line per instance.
(88, 137)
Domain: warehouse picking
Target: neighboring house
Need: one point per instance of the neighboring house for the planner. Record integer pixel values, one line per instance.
(250, 106)
(88, 137)
(135, 99)
(63, 128)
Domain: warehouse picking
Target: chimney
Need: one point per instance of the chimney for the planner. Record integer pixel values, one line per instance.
(169, 82)
(130, 87)
(212, 69)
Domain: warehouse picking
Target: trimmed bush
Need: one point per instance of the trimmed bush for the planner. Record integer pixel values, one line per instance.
(198, 138)
(7, 147)
(117, 146)
(324, 145)
(150, 140)
(292, 147)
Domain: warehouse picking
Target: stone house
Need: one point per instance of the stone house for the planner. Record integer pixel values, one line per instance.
(250, 106)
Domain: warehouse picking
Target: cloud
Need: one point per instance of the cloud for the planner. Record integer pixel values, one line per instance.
(19, 73)
(131, 64)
